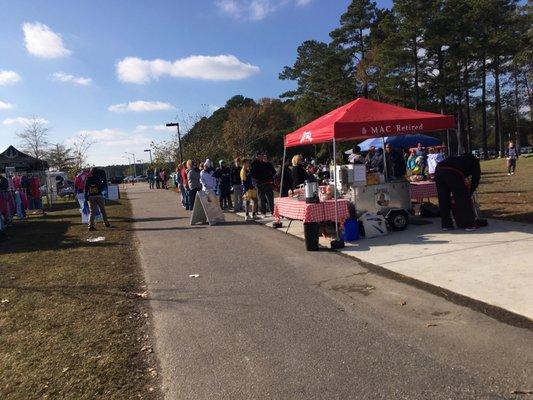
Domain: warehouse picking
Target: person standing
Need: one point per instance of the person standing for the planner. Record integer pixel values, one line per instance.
(263, 175)
(512, 155)
(395, 163)
(236, 184)
(150, 177)
(178, 182)
(193, 182)
(421, 152)
(157, 178)
(450, 177)
(209, 182)
(223, 176)
(298, 173)
(185, 194)
(250, 193)
(94, 188)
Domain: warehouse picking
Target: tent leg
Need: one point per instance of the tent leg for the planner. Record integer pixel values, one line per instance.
(337, 243)
(278, 224)
(282, 170)
(385, 169)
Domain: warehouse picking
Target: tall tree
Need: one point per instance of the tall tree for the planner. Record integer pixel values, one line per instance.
(34, 137)
(60, 157)
(323, 80)
(353, 35)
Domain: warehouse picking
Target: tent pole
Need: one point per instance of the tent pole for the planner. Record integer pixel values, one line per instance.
(282, 169)
(335, 188)
(385, 169)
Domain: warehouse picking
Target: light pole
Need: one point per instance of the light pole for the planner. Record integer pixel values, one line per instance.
(177, 125)
(134, 164)
(150, 151)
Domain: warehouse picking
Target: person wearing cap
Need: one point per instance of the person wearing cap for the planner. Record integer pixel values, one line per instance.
(209, 182)
(263, 175)
(223, 177)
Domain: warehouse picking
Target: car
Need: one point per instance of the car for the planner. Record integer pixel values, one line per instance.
(117, 180)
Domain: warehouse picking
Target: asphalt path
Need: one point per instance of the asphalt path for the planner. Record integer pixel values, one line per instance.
(267, 320)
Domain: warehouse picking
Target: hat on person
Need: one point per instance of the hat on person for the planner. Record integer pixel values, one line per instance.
(207, 163)
(221, 162)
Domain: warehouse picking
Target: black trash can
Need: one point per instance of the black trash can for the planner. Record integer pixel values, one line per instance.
(311, 234)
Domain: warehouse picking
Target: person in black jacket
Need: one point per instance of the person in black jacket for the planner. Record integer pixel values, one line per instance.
(95, 185)
(298, 172)
(263, 176)
(223, 176)
(396, 166)
(450, 177)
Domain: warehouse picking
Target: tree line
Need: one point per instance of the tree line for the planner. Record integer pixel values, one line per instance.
(469, 58)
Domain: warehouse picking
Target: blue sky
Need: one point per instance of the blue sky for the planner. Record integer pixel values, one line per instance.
(119, 69)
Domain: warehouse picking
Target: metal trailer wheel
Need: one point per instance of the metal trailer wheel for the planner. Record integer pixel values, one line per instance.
(398, 220)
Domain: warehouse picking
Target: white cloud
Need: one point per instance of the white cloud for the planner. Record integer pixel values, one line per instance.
(139, 106)
(102, 134)
(216, 68)
(78, 80)
(22, 121)
(5, 106)
(154, 128)
(9, 77)
(255, 10)
(41, 41)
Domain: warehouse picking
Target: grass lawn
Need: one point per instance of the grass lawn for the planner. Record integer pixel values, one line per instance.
(71, 325)
(507, 197)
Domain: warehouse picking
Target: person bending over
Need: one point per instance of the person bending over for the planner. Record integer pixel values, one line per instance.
(450, 177)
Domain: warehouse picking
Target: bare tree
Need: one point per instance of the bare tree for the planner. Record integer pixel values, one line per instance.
(80, 147)
(34, 137)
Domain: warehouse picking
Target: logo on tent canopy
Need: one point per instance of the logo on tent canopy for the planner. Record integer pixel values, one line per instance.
(363, 131)
(307, 136)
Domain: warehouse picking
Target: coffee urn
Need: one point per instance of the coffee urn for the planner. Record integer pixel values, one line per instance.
(311, 191)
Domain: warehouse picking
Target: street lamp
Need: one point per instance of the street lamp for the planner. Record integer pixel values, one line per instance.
(150, 151)
(177, 125)
(134, 164)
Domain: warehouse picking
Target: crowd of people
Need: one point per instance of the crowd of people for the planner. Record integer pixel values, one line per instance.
(244, 185)
(157, 178)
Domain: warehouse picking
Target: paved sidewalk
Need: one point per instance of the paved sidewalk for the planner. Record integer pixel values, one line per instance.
(267, 320)
(493, 265)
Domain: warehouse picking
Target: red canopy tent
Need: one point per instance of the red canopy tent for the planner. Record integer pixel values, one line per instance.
(363, 119)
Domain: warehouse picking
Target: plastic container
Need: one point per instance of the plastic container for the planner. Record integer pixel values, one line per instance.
(351, 230)
(311, 233)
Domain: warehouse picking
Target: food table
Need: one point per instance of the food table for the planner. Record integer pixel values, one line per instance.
(313, 212)
(423, 190)
(310, 213)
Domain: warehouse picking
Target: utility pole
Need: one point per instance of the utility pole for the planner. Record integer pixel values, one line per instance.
(134, 164)
(177, 125)
(150, 151)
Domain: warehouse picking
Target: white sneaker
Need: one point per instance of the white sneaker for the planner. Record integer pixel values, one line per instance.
(512, 173)
(508, 173)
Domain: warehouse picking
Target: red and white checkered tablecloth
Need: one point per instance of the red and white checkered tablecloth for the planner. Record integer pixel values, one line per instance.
(315, 212)
(423, 190)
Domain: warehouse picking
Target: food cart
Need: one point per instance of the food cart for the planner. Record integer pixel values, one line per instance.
(363, 119)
